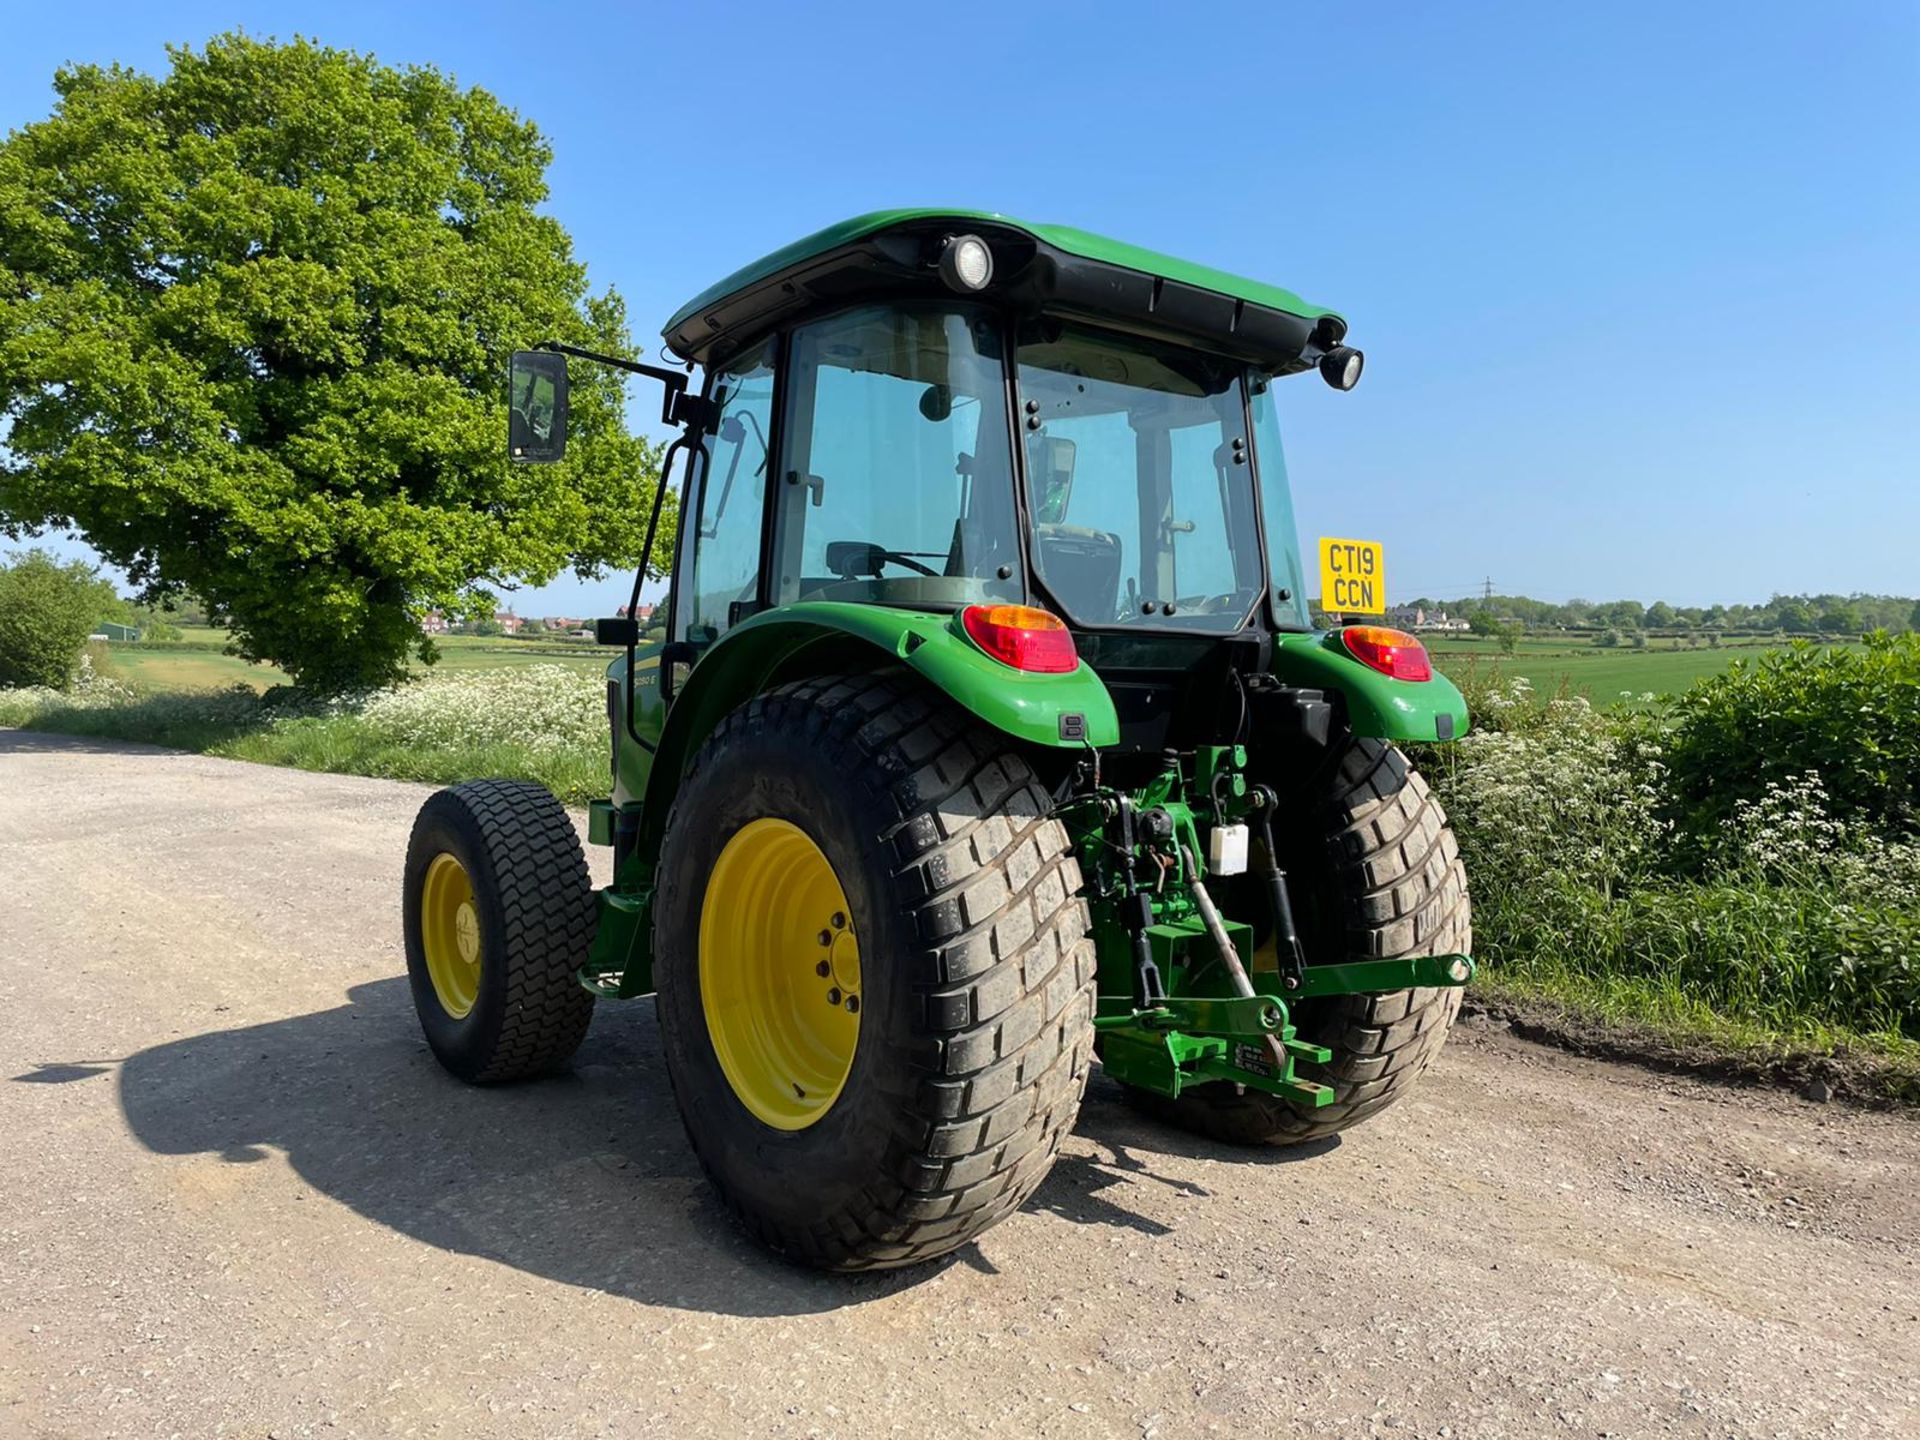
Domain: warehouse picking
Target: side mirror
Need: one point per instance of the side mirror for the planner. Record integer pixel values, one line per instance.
(616, 630)
(1051, 462)
(537, 406)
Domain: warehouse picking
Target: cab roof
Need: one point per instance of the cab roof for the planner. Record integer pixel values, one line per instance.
(894, 254)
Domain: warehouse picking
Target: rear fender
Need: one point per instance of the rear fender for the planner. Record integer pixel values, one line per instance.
(1067, 712)
(1377, 705)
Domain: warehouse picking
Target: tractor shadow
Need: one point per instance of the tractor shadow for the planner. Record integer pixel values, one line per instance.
(585, 1178)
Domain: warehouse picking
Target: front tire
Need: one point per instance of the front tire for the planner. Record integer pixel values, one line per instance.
(900, 1131)
(499, 914)
(1378, 878)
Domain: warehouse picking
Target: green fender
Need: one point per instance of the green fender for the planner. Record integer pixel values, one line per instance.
(816, 636)
(1377, 705)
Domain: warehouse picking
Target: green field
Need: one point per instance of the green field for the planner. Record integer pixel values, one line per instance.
(197, 662)
(1602, 675)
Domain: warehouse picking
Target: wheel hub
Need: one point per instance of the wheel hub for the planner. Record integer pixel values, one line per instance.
(779, 974)
(450, 935)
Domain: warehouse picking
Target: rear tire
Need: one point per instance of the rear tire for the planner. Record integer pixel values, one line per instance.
(1385, 880)
(495, 986)
(975, 1026)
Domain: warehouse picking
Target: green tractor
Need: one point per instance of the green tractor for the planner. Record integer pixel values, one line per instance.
(988, 733)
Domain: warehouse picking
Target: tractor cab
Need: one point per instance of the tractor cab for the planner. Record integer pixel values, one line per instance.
(988, 732)
(981, 412)
(939, 412)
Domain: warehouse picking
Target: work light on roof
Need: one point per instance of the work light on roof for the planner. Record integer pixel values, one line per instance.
(966, 263)
(1340, 367)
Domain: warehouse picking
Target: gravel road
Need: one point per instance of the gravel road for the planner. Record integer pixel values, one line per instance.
(237, 1197)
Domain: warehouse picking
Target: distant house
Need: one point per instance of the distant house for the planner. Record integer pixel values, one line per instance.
(508, 621)
(642, 613)
(1416, 617)
(562, 622)
(114, 630)
(433, 623)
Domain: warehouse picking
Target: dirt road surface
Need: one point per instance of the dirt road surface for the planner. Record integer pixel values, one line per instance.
(237, 1197)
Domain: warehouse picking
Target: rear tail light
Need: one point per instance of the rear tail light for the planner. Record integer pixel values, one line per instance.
(1023, 637)
(1391, 652)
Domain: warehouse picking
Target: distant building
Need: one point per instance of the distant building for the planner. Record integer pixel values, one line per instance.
(508, 621)
(1416, 617)
(561, 622)
(114, 630)
(433, 623)
(642, 613)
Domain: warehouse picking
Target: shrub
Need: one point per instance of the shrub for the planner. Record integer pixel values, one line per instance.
(47, 610)
(1782, 913)
(1553, 791)
(1850, 716)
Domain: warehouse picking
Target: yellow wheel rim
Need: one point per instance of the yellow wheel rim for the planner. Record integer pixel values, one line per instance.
(780, 974)
(450, 935)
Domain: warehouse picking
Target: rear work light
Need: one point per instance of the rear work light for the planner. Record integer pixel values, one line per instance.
(1391, 652)
(1023, 637)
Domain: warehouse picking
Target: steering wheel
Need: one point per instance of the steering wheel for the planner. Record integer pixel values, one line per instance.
(896, 557)
(853, 559)
(1227, 600)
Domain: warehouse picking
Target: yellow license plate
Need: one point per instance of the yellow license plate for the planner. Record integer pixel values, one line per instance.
(1353, 577)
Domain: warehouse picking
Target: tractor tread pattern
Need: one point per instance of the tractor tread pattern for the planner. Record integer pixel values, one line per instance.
(546, 900)
(1405, 893)
(1003, 976)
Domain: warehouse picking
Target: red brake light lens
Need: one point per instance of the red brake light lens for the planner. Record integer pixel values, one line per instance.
(1023, 637)
(1391, 652)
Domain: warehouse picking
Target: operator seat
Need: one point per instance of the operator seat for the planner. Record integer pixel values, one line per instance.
(1081, 566)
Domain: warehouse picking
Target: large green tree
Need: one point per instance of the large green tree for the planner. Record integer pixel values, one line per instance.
(254, 322)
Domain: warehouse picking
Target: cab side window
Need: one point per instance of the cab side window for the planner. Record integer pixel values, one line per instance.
(723, 579)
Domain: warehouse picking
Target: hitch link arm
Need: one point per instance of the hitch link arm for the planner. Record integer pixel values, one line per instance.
(1229, 955)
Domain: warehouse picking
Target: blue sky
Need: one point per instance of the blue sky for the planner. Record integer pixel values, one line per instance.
(1639, 284)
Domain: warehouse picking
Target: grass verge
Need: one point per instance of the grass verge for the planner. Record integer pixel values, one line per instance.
(501, 724)
(1659, 1025)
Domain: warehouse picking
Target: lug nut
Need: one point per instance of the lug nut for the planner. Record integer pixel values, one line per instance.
(823, 969)
(839, 920)
(833, 996)
(853, 1004)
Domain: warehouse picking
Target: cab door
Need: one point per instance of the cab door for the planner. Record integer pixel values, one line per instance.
(717, 577)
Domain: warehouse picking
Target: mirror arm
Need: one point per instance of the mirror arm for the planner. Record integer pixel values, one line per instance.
(678, 406)
(696, 415)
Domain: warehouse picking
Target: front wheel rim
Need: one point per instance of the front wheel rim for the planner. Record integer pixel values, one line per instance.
(780, 974)
(450, 935)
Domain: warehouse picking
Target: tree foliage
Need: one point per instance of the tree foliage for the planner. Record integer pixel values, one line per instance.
(253, 339)
(47, 610)
(1795, 614)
